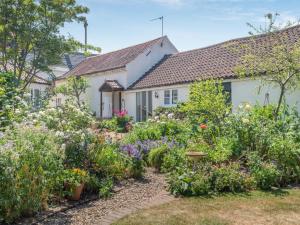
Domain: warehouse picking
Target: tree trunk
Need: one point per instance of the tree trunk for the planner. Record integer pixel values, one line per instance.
(282, 92)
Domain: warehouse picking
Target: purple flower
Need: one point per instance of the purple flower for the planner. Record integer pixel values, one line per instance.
(131, 151)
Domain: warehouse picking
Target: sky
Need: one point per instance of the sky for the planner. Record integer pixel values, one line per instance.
(189, 24)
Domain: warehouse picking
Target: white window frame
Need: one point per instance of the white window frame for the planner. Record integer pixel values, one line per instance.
(174, 97)
(167, 99)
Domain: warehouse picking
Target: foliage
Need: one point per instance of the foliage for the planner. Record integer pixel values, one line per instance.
(277, 63)
(106, 188)
(123, 121)
(31, 29)
(230, 179)
(73, 89)
(12, 106)
(210, 105)
(107, 161)
(187, 182)
(156, 156)
(75, 177)
(31, 163)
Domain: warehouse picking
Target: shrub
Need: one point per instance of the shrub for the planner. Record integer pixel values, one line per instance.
(108, 161)
(229, 179)
(156, 156)
(136, 160)
(173, 159)
(30, 166)
(187, 182)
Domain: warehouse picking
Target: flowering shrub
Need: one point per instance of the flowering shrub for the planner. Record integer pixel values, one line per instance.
(31, 163)
(123, 121)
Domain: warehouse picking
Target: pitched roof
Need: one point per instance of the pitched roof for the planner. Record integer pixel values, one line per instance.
(110, 61)
(111, 85)
(216, 61)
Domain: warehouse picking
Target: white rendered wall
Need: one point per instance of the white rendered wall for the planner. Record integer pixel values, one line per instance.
(243, 91)
(249, 91)
(146, 60)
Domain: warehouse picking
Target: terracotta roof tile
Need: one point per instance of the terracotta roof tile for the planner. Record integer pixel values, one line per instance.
(216, 61)
(109, 61)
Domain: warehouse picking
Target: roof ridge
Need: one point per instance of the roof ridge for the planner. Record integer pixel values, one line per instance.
(237, 39)
(132, 46)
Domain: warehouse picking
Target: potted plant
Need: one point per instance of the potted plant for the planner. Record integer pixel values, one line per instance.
(75, 180)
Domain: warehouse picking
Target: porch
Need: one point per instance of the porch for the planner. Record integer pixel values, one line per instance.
(110, 98)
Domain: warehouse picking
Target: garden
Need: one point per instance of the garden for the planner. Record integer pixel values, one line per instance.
(202, 148)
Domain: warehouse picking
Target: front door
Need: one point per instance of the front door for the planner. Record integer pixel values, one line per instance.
(107, 105)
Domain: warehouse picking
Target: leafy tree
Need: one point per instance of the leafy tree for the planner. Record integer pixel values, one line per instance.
(30, 39)
(74, 88)
(10, 102)
(207, 102)
(277, 62)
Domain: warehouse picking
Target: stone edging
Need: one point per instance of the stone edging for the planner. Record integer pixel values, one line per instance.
(162, 198)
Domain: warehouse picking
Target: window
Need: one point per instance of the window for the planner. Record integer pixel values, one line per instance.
(174, 96)
(167, 97)
(143, 105)
(36, 98)
(227, 90)
(58, 102)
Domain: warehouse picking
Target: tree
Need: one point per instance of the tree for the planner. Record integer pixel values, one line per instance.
(207, 102)
(73, 89)
(30, 39)
(10, 103)
(276, 63)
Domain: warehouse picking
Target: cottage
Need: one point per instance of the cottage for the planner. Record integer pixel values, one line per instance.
(142, 77)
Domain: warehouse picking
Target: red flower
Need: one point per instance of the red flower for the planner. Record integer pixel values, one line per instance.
(203, 126)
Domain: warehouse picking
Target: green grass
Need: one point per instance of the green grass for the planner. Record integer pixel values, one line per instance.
(278, 208)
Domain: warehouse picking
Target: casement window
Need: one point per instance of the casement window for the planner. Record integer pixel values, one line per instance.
(170, 97)
(167, 97)
(143, 105)
(174, 96)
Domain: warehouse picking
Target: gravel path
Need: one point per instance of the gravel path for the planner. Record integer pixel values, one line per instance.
(134, 195)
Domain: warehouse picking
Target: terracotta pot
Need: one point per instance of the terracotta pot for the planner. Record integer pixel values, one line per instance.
(77, 193)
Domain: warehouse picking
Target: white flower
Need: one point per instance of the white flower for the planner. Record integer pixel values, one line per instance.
(18, 98)
(247, 107)
(156, 117)
(17, 111)
(170, 116)
(245, 120)
(63, 146)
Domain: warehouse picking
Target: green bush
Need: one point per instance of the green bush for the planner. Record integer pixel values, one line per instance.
(173, 159)
(31, 164)
(109, 162)
(230, 179)
(156, 156)
(187, 182)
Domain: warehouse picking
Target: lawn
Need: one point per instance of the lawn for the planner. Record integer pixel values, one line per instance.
(279, 207)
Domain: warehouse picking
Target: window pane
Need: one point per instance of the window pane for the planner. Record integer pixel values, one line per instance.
(167, 97)
(227, 90)
(138, 106)
(174, 96)
(144, 105)
(149, 103)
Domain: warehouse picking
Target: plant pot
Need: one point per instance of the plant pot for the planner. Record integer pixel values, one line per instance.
(196, 156)
(77, 193)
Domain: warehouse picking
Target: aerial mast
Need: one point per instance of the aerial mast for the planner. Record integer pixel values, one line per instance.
(162, 24)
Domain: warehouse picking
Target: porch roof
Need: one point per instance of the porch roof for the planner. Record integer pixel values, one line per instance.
(111, 85)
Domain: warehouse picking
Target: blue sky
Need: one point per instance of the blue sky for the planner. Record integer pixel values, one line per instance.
(190, 24)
